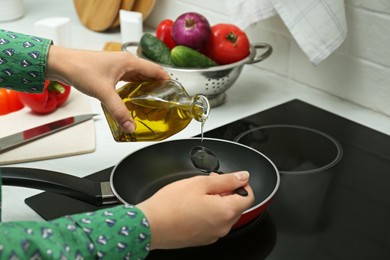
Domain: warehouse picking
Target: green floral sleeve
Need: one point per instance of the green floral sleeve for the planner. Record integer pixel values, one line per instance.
(121, 232)
(23, 61)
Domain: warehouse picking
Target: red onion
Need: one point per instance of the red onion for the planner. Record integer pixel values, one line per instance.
(192, 30)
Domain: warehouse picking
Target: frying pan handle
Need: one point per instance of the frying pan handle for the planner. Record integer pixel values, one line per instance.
(61, 183)
(240, 191)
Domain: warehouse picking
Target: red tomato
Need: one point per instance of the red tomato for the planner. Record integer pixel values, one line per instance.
(227, 44)
(164, 32)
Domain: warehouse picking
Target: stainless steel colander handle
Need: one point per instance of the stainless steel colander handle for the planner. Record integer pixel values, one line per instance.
(257, 58)
(129, 44)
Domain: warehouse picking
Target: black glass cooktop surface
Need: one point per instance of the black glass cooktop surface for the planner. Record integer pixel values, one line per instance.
(354, 216)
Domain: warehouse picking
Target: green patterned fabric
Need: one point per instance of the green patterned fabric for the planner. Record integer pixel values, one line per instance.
(120, 232)
(22, 61)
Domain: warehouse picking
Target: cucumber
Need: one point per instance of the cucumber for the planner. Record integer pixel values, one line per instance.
(186, 57)
(155, 49)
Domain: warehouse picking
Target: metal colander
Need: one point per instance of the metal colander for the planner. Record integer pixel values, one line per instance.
(213, 81)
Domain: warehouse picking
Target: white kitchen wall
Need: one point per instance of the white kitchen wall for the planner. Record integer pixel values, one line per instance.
(359, 71)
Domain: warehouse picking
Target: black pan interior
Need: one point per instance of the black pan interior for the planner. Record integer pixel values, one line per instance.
(142, 173)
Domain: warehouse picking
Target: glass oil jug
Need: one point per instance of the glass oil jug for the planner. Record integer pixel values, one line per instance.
(160, 109)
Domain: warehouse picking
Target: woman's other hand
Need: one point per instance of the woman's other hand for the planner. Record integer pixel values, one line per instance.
(196, 211)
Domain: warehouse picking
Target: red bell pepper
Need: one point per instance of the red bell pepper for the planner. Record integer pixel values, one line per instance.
(54, 95)
(9, 101)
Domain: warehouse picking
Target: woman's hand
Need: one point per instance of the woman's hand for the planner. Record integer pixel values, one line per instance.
(96, 74)
(196, 211)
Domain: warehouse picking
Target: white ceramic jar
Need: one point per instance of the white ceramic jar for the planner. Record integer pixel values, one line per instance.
(11, 10)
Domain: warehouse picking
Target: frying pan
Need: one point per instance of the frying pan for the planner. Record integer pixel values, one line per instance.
(140, 174)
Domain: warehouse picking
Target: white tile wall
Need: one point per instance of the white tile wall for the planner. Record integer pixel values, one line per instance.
(359, 71)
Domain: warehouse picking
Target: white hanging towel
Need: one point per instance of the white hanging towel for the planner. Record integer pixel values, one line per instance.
(318, 26)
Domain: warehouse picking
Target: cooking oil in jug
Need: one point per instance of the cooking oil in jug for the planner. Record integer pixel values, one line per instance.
(160, 109)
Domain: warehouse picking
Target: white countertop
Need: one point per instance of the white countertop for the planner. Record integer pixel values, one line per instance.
(255, 91)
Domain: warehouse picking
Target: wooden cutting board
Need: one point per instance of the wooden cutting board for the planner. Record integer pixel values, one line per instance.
(144, 6)
(112, 46)
(75, 140)
(101, 15)
(125, 5)
(97, 15)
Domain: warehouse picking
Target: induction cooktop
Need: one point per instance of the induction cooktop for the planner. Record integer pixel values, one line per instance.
(355, 214)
